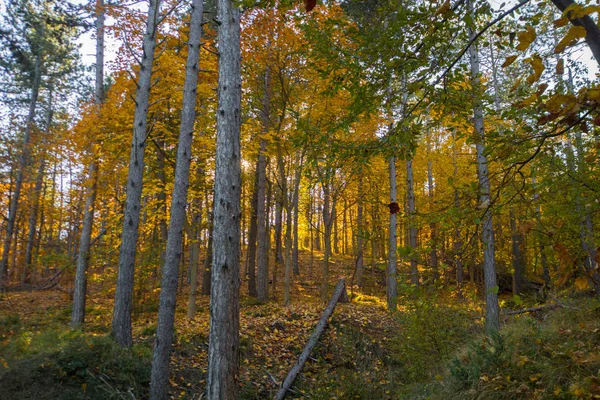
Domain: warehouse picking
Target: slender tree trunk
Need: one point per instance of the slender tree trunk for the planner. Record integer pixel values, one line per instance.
(295, 207)
(251, 250)
(161, 196)
(517, 253)
(392, 292)
(359, 234)
(39, 181)
(23, 164)
(159, 380)
(224, 346)
(280, 199)
(80, 287)
(458, 245)
(540, 239)
(336, 237)
(327, 222)
(207, 271)
(288, 254)
(121, 324)
(194, 261)
(412, 229)
(492, 321)
(433, 258)
(262, 217)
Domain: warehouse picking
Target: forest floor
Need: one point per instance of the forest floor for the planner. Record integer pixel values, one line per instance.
(433, 348)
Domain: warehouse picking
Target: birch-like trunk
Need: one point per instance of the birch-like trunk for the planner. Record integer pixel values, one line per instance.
(159, 379)
(121, 323)
(224, 342)
(492, 321)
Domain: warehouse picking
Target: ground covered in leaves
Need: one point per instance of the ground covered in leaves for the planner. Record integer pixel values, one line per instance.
(432, 348)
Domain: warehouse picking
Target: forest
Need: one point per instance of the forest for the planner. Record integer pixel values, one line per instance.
(320, 199)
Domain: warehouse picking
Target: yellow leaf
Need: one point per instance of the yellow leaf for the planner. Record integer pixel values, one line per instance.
(528, 101)
(508, 61)
(538, 67)
(526, 38)
(582, 283)
(574, 33)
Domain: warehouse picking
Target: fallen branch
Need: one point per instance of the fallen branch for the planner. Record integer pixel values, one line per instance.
(338, 295)
(533, 309)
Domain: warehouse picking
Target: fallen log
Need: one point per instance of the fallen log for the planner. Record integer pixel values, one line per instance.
(338, 295)
(533, 309)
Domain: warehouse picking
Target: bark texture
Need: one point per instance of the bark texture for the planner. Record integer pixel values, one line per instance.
(224, 346)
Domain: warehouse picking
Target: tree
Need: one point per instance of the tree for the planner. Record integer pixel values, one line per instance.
(121, 324)
(80, 288)
(224, 346)
(36, 37)
(492, 314)
(168, 294)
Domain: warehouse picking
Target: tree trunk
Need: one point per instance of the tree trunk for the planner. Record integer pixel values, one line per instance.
(359, 234)
(517, 253)
(121, 324)
(280, 199)
(251, 250)
(295, 209)
(288, 254)
(23, 164)
(159, 380)
(39, 181)
(433, 258)
(262, 220)
(207, 271)
(327, 222)
(224, 346)
(540, 239)
(412, 229)
(392, 292)
(492, 321)
(80, 288)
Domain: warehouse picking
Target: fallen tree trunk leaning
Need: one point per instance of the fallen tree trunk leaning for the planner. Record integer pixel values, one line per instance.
(338, 295)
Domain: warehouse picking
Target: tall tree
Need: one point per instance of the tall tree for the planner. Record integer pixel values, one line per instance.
(224, 341)
(79, 290)
(492, 321)
(159, 380)
(121, 324)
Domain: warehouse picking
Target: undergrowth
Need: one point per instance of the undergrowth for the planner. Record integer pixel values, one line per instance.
(61, 364)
